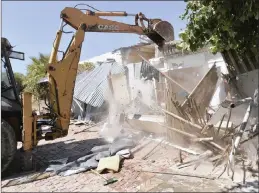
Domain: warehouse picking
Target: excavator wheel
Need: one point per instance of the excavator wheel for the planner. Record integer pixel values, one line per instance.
(8, 145)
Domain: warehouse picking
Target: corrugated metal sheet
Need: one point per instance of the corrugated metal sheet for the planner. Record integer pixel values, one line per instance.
(90, 87)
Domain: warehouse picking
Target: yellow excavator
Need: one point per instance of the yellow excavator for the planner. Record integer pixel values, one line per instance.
(62, 73)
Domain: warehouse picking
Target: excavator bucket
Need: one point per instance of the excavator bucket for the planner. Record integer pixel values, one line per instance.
(162, 32)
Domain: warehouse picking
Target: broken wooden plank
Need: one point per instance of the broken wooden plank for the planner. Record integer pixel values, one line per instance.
(177, 147)
(240, 131)
(194, 125)
(146, 156)
(179, 131)
(202, 157)
(179, 174)
(182, 119)
(203, 139)
(162, 73)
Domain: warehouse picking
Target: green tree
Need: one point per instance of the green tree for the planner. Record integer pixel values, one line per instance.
(86, 66)
(35, 71)
(19, 78)
(222, 25)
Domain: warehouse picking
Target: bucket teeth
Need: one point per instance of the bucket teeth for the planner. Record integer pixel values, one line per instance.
(165, 30)
(161, 32)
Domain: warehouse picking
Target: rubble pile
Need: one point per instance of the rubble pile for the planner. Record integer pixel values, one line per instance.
(187, 119)
(221, 132)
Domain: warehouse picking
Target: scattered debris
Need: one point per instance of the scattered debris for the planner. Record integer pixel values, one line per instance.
(146, 156)
(91, 160)
(177, 147)
(91, 126)
(107, 181)
(180, 174)
(188, 117)
(28, 179)
(239, 133)
(125, 153)
(202, 157)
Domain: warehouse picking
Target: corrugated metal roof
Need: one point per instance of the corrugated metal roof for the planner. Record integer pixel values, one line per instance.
(90, 87)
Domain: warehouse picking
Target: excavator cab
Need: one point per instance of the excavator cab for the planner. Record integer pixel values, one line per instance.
(61, 73)
(11, 106)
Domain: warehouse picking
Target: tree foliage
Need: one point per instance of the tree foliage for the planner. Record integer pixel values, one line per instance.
(222, 24)
(35, 71)
(19, 78)
(86, 66)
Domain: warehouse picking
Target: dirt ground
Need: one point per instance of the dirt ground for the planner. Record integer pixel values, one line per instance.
(133, 176)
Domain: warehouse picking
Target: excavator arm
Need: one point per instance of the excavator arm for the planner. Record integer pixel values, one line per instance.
(62, 73)
(157, 30)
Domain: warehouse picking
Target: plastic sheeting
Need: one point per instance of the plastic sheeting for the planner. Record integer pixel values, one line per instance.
(90, 161)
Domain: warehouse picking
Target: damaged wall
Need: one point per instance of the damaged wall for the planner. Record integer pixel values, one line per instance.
(191, 60)
(120, 88)
(247, 82)
(203, 92)
(187, 77)
(103, 57)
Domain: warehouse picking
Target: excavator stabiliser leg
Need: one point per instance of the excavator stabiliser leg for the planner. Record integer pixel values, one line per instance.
(28, 133)
(27, 122)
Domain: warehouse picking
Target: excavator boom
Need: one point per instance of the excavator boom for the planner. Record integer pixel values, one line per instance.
(157, 30)
(62, 73)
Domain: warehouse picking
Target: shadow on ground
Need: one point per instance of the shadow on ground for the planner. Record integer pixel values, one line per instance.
(44, 153)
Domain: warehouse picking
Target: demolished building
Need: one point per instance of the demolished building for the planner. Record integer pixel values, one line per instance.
(90, 93)
(194, 89)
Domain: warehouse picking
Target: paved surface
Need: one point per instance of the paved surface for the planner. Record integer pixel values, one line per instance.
(130, 178)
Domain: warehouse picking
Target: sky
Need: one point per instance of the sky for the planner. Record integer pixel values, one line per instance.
(31, 26)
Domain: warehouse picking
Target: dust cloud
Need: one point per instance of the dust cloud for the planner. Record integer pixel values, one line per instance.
(141, 101)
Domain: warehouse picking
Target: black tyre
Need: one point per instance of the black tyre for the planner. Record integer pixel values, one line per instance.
(8, 145)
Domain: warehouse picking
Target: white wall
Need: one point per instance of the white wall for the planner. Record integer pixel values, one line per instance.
(102, 58)
(120, 87)
(203, 58)
(192, 60)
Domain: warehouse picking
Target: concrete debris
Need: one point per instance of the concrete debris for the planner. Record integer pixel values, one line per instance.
(125, 153)
(199, 110)
(78, 123)
(90, 161)
(224, 125)
(110, 164)
(194, 121)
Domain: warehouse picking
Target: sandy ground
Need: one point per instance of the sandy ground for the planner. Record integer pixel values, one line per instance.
(133, 176)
